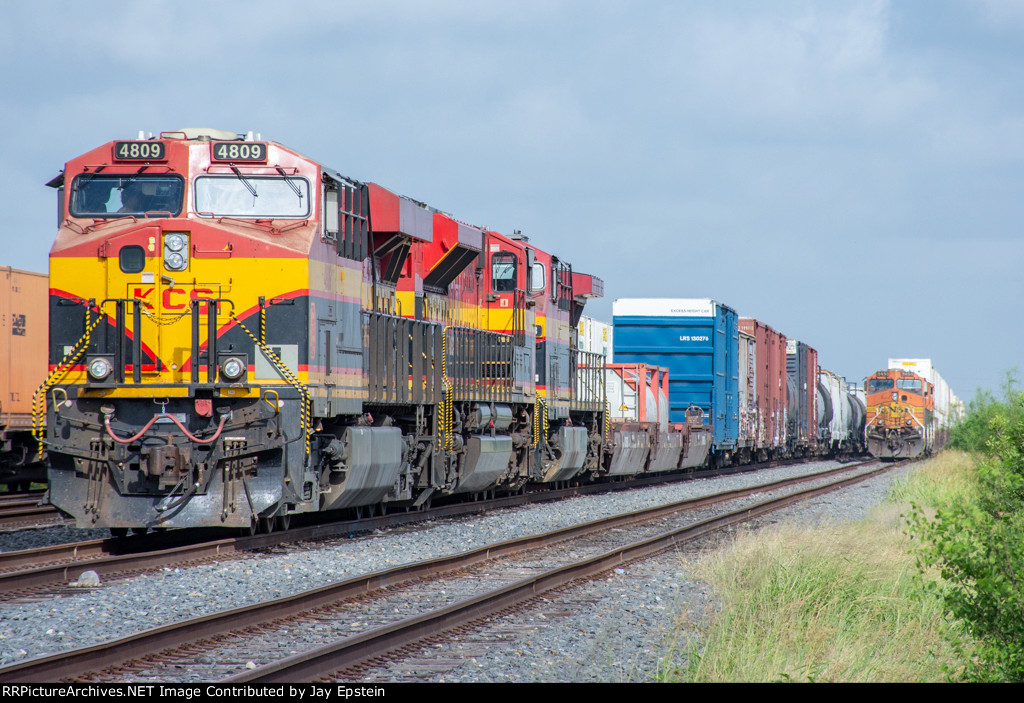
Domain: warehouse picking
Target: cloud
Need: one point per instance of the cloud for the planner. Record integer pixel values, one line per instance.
(1006, 15)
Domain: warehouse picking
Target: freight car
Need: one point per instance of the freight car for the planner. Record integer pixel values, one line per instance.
(697, 341)
(759, 393)
(641, 433)
(23, 356)
(841, 416)
(770, 389)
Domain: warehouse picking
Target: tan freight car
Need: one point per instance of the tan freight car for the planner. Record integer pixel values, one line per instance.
(24, 297)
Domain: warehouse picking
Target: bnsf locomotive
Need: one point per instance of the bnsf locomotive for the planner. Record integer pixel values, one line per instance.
(901, 419)
(910, 408)
(239, 334)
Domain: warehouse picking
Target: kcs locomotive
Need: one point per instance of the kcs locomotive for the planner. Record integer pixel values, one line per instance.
(239, 334)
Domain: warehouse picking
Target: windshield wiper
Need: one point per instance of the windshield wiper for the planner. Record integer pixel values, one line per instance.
(133, 178)
(295, 188)
(245, 182)
(86, 177)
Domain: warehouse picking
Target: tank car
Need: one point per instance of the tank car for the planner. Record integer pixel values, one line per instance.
(239, 334)
(23, 357)
(901, 421)
(840, 416)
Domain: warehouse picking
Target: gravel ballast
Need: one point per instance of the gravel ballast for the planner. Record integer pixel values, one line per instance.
(614, 633)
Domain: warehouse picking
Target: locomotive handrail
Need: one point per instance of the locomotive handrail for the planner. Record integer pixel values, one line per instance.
(39, 397)
(213, 252)
(120, 344)
(277, 399)
(304, 412)
(212, 307)
(53, 397)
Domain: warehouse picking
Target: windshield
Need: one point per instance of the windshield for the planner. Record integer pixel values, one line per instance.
(879, 384)
(909, 384)
(252, 196)
(121, 195)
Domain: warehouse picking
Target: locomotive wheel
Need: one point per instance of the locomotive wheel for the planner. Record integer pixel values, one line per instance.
(282, 523)
(265, 525)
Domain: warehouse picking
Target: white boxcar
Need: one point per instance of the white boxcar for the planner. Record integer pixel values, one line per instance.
(595, 337)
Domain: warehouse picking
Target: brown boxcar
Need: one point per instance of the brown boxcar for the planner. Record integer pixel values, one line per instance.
(770, 387)
(23, 352)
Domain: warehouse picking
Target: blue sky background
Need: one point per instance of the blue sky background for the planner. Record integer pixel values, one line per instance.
(849, 172)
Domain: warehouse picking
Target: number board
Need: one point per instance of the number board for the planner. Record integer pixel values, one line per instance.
(238, 151)
(139, 151)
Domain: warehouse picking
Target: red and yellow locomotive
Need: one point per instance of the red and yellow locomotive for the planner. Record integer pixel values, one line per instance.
(900, 415)
(239, 334)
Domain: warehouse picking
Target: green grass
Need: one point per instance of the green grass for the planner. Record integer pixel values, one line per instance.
(837, 603)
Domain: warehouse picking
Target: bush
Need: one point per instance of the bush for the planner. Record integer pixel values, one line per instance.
(974, 432)
(978, 544)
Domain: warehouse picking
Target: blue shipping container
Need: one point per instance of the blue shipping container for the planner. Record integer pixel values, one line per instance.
(698, 341)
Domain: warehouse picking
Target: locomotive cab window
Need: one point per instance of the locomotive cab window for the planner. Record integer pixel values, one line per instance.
(503, 272)
(123, 195)
(909, 384)
(537, 277)
(270, 197)
(879, 384)
(330, 214)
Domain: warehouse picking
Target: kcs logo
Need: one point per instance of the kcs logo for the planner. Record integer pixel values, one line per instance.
(171, 298)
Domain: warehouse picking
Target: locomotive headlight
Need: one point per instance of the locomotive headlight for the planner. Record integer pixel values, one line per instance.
(894, 396)
(175, 241)
(232, 368)
(99, 368)
(176, 251)
(174, 261)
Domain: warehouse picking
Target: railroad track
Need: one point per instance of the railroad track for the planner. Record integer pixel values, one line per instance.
(32, 496)
(30, 572)
(23, 509)
(476, 584)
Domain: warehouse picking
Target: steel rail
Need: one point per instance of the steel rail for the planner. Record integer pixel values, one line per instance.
(74, 663)
(30, 498)
(60, 564)
(17, 515)
(352, 651)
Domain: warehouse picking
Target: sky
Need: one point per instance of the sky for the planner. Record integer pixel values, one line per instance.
(850, 173)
